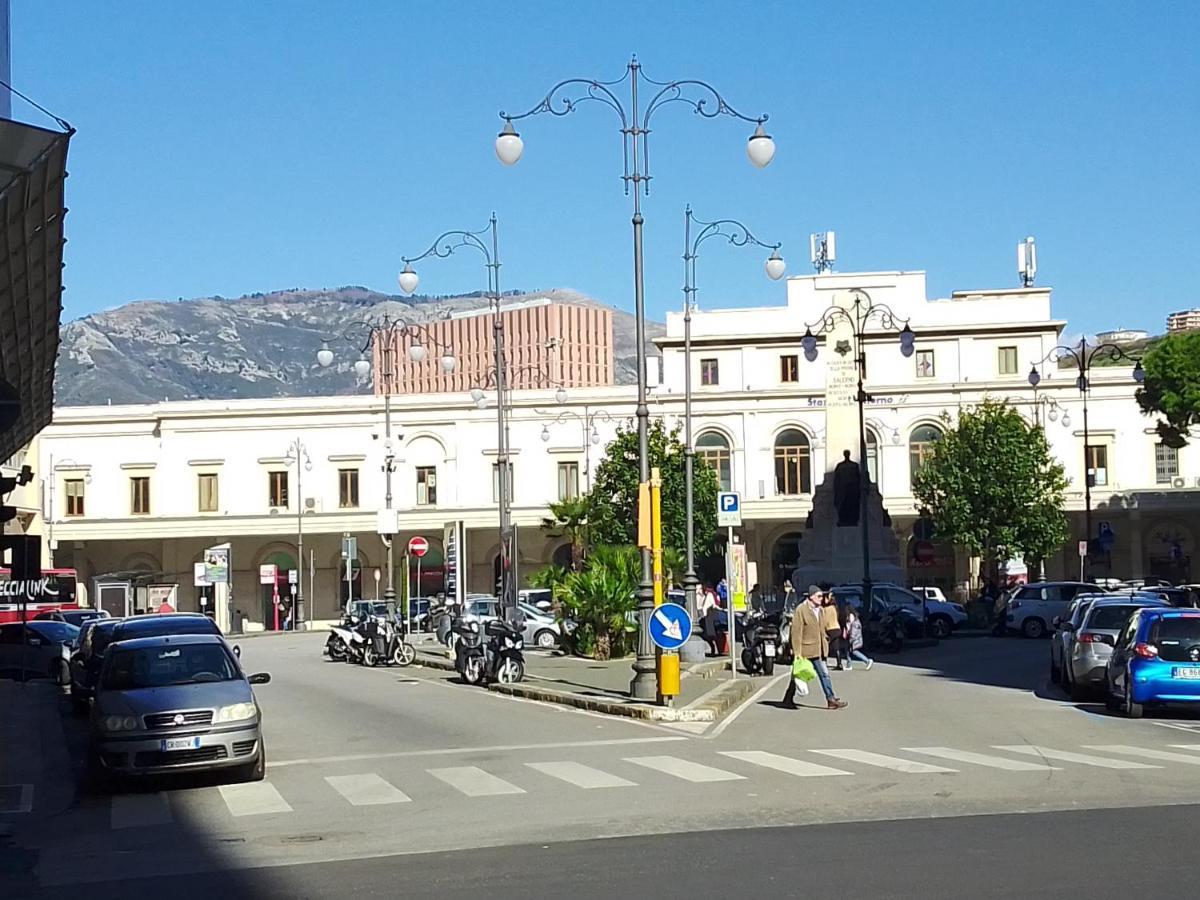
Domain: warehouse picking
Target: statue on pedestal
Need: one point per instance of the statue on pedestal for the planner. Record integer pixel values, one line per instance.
(847, 491)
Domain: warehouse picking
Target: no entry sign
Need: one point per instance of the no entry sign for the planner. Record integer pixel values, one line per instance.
(418, 546)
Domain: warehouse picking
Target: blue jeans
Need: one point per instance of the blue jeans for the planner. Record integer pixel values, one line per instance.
(860, 656)
(823, 676)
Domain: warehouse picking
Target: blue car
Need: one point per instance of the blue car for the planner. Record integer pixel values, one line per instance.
(1155, 661)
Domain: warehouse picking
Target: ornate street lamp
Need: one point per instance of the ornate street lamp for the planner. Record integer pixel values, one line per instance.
(297, 455)
(704, 100)
(589, 435)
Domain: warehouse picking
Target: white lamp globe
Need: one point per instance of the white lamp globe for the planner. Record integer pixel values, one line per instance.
(1052, 415)
(545, 434)
(1066, 421)
(775, 266)
(449, 363)
(362, 367)
(561, 395)
(595, 435)
(509, 145)
(408, 279)
(760, 148)
(476, 394)
(417, 352)
(481, 403)
(324, 356)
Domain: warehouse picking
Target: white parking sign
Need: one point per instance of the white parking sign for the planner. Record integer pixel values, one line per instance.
(729, 509)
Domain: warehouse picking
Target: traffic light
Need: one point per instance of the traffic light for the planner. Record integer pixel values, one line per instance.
(7, 485)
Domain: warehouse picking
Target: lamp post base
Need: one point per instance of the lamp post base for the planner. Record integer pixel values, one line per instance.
(694, 651)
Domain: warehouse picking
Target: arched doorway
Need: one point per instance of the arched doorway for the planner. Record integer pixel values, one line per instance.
(785, 556)
(277, 596)
(562, 557)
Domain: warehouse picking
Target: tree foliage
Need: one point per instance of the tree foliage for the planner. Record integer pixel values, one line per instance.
(993, 486)
(1172, 386)
(599, 599)
(614, 496)
(569, 518)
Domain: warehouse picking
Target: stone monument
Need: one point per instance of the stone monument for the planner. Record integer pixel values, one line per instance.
(832, 547)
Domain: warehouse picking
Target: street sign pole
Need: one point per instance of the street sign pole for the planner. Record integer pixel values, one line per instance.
(729, 617)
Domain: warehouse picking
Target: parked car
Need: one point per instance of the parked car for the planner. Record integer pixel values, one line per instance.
(94, 639)
(175, 703)
(1135, 584)
(1033, 607)
(1064, 627)
(76, 617)
(40, 649)
(541, 628)
(156, 624)
(886, 600)
(539, 598)
(929, 592)
(419, 611)
(1155, 661)
(943, 617)
(1089, 643)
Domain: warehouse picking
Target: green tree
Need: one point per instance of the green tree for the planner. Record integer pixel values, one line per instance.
(569, 518)
(599, 600)
(614, 496)
(1172, 386)
(992, 485)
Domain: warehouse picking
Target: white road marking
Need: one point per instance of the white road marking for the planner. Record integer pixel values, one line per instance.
(139, 810)
(720, 727)
(580, 775)
(1084, 759)
(982, 759)
(783, 763)
(474, 782)
(366, 790)
(404, 754)
(1165, 755)
(1185, 746)
(253, 799)
(681, 768)
(895, 763)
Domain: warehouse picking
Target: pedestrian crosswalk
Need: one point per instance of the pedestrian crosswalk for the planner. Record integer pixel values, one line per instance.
(696, 764)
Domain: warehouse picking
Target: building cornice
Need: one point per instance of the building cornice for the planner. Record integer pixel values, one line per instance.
(792, 338)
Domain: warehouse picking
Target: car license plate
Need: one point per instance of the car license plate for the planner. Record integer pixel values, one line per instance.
(1187, 674)
(188, 743)
(769, 649)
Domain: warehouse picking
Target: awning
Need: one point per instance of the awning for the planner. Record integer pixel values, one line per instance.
(33, 169)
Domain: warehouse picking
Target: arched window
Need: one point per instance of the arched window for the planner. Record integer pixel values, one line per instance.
(714, 449)
(920, 447)
(793, 463)
(873, 457)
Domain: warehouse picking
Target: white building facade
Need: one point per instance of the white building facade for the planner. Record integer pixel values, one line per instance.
(139, 492)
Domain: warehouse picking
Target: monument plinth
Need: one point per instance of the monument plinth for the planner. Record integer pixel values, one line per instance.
(832, 547)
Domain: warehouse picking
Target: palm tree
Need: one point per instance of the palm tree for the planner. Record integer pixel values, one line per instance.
(569, 518)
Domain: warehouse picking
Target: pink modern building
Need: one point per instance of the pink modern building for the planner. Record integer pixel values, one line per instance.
(548, 344)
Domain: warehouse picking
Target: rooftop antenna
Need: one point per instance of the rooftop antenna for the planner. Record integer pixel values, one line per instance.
(1027, 261)
(822, 249)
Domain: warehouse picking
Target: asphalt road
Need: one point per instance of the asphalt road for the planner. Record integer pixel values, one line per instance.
(367, 764)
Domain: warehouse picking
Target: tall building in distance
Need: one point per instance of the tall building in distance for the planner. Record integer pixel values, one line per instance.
(1184, 320)
(547, 343)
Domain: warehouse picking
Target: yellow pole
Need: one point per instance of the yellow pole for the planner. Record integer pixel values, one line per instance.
(656, 533)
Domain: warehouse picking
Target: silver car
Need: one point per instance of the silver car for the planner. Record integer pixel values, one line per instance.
(1090, 642)
(541, 629)
(1064, 626)
(175, 703)
(39, 649)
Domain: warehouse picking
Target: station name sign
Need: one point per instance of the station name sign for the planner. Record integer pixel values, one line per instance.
(872, 400)
(30, 590)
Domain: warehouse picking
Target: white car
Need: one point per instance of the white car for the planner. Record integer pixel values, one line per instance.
(929, 592)
(1033, 607)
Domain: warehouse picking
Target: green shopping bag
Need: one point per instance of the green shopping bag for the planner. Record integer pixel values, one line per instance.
(803, 669)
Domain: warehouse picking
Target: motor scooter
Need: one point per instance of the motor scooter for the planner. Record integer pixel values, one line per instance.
(760, 642)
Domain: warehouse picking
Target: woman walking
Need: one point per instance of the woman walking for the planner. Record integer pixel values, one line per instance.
(833, 627)
(854, 641)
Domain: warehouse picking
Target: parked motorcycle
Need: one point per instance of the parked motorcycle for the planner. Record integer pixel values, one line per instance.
(346, 641)
(499, 657)
(384, 644)
(885, 630)
(760, 642)
(466, 635)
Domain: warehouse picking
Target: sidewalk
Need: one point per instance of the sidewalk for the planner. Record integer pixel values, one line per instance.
(36, 776)
(706, 690)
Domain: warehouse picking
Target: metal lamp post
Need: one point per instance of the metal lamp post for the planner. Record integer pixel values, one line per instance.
(298, 455)
(367, 334)
(739, 235)
(860, 314)
(1083, 356)
(589, 435)
(703, 98)
(51, 544)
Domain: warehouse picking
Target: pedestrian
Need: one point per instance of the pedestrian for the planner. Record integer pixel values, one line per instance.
(706, 612)
(723, 592)
(832, 626)
(854, 641)
(809, 641)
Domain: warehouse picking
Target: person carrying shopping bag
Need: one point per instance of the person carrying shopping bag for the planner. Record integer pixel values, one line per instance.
(854, 641)
(810, 643)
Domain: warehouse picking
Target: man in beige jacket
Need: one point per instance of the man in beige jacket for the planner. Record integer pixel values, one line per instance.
(809, 641)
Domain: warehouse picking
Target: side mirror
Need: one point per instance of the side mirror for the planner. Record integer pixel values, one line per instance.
(237, 651)
(260, 678)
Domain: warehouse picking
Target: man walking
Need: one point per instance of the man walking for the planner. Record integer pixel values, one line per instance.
(809, 641)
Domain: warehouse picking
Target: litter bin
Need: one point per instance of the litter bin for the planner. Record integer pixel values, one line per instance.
(237, 626)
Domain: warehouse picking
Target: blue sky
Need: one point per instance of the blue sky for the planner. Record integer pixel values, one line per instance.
(228, 147)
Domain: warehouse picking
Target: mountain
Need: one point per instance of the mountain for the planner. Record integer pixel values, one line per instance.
(258, 345)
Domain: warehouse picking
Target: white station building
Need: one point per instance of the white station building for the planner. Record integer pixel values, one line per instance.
(134, 495)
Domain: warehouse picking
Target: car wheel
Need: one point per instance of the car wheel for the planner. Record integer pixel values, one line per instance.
(546, 639)
(940, 627)
(1034, 628)
(1132, 710)
(257, 770)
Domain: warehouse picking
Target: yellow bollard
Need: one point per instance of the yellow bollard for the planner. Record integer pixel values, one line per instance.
(668, 674)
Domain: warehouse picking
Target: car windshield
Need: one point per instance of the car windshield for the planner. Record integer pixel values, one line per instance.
(1110, 618)
(173, 624)
(59, 632)
(167, 664)
(1176, 637)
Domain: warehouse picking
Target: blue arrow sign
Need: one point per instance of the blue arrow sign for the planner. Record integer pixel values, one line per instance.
(670, 626)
